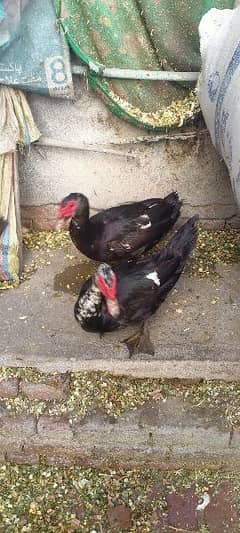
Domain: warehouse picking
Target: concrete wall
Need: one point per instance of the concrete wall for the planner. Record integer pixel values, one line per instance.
(47, 173)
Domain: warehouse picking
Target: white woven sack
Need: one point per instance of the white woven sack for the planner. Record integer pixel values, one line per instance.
(219, 86)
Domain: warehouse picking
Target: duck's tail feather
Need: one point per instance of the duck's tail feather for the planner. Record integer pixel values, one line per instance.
(172, 259)
(174, 201)
(184, 240)
(182, 243)
(3, 225)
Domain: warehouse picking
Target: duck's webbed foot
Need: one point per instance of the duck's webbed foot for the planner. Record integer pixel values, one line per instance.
(140, 342)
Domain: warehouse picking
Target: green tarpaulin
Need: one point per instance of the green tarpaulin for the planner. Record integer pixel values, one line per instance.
(139, 34)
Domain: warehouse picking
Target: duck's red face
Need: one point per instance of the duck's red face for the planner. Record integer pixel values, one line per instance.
(106, 281)
(66, 211)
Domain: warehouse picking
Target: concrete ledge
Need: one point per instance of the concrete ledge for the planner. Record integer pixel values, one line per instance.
(174, 369)
(167, 435)
(195, 333)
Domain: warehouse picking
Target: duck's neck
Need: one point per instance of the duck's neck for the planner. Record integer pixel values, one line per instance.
(81, 216)
(88, 305)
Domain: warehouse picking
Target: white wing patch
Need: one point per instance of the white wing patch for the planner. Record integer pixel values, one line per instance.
(152, 205)
(124, 245)
(147, 223)
(154, 277)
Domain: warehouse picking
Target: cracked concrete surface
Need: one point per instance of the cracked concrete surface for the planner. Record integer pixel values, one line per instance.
(195, 333)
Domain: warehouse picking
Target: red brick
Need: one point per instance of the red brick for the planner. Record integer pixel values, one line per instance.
(119, 517)
(9, 388)
(42, 217)
(19, 427)
(158, 524)
(186, 382)
(54, 428)
(58, 457)
(74, 526)
(56, 388)
(24, 457)
(79, 511)
(182, 513)
(221, 515)
(158, 518)
(213, 224)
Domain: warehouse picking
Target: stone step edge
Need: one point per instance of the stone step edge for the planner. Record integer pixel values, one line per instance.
(141, 368)
(27, 439)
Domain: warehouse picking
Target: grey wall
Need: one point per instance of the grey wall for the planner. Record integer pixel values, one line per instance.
(190, 166)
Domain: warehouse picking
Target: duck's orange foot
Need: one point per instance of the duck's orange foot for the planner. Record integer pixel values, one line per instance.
(139, 343)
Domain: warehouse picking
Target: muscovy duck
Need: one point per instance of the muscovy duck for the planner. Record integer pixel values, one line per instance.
(131, 293)
(121, 232)
(3, 225)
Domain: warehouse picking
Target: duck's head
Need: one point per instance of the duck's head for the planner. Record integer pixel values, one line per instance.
(106, 281)
(72, 205)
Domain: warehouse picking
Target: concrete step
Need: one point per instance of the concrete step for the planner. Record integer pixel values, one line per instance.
(100, 421)
(168, 437)
(195, 333)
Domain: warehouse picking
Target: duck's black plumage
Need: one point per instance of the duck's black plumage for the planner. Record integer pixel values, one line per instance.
(141, 286)
(122, 232)
(3, 225)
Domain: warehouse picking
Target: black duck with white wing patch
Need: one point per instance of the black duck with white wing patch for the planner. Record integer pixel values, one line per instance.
(141, 287)
(121, 232)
